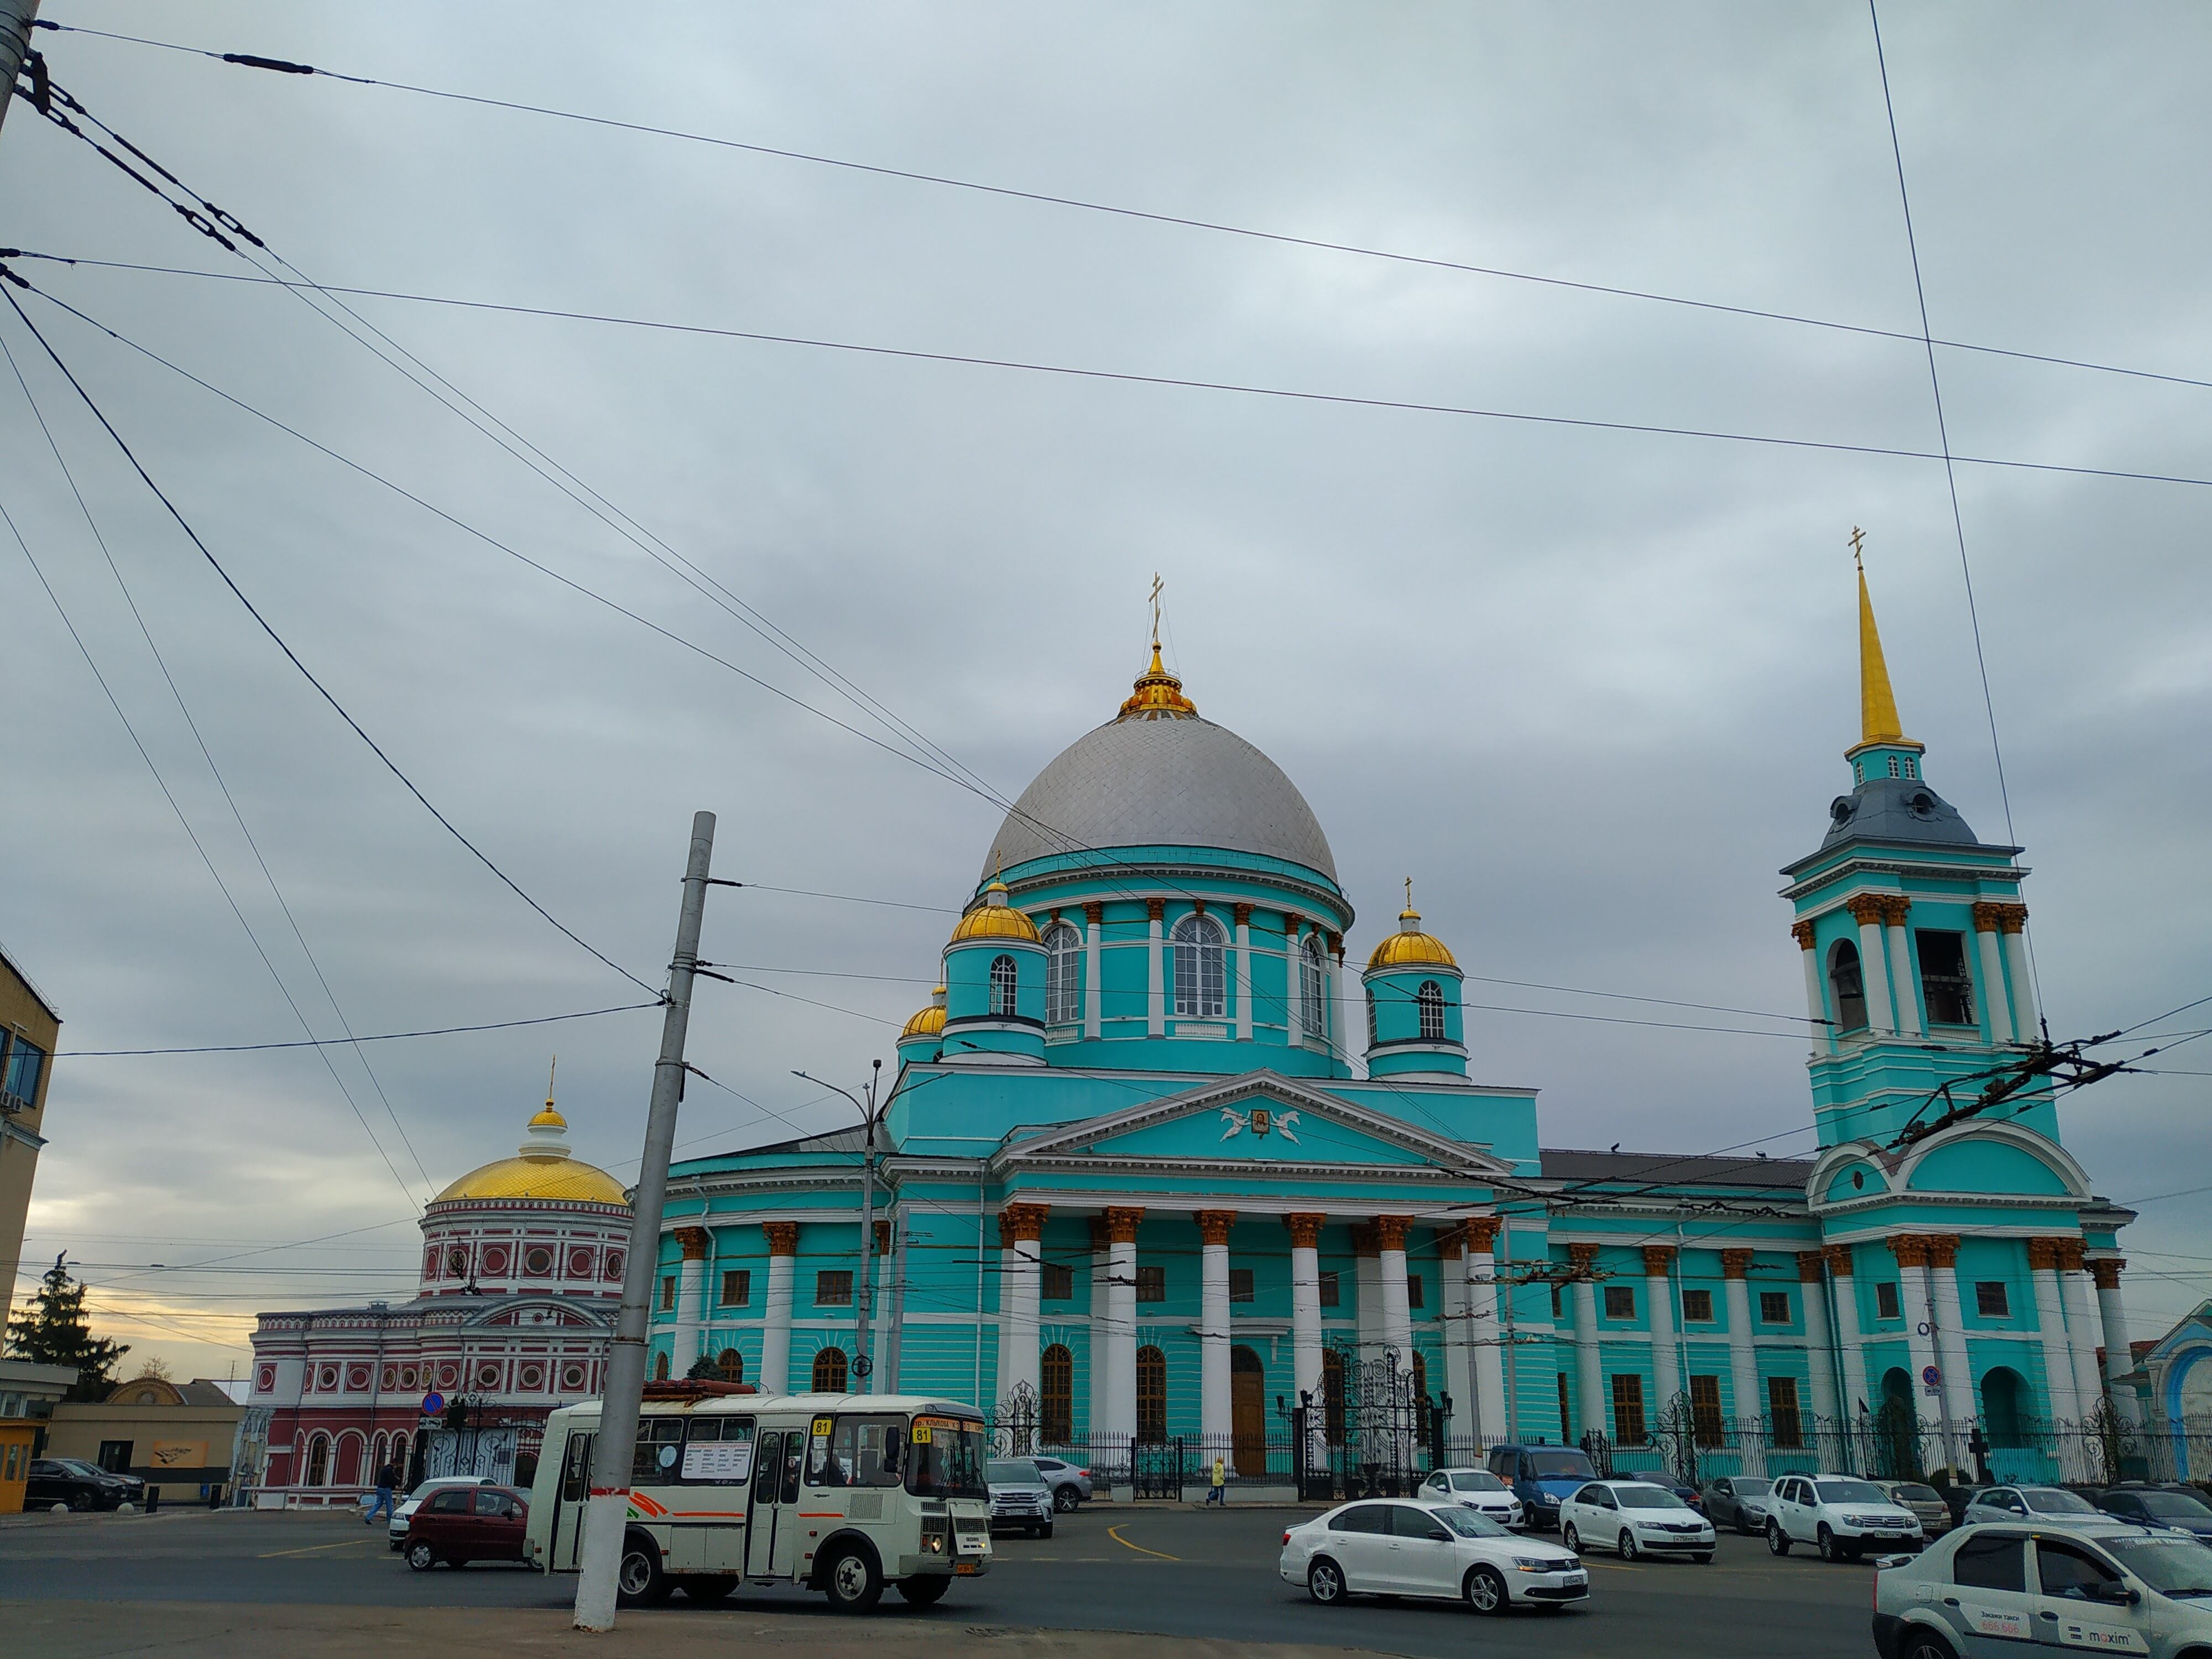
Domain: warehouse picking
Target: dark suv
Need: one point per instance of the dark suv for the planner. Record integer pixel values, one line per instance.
(80, 1485)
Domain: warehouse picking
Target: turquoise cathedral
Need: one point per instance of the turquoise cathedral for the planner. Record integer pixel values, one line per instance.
(1153, 1168)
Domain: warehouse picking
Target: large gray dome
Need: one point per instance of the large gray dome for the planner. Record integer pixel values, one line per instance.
(1152, 782)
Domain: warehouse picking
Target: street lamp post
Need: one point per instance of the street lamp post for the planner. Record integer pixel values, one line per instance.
(864, 1366)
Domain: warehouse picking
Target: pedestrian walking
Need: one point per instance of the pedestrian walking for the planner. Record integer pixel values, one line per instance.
(1216, 1496)
(386, 1479)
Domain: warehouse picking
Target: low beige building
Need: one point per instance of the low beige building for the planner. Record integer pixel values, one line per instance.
(180, 1436)
(29, 1030)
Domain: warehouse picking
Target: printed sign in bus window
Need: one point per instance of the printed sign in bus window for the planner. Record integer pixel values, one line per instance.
(719, 1451)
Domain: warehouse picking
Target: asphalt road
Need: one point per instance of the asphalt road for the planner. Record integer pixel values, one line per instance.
(1166, 1571)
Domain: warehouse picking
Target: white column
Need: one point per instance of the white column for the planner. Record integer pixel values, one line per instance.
(1951, 1334)
(1659, 1304)
(1821, 1350)
(1017, 1350)
(1993, 999)
(1243, 914)
(1305, 1324)
(690, 1299)
(2065, 1400)
(1908, 993)
(1094, 995)
(1370, 1290)
(1920, 1319)
(1849, 1343)
(776, 1309)
(1121, 1321)
(1589, 1376)
(1459, 1377)
(2120, 1357)
(1743, 1357)
(1873, 971)
(2082, 1332)
(1003, 1375)
(2023, 1018)
(1397, 1313)
(1294, 987)
(1156, 1001)
(1816, 996)
(1102, 1349)
(1213, 1406)
(1484, 1338)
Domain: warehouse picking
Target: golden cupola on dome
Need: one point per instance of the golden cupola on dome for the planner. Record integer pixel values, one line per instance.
(542, 1168)
(927, 1022)
(994, 918)
(1158, 696)
(1409, 947)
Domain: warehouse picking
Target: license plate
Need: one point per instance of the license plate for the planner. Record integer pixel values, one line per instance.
(1574, 1578)
(964, 1569)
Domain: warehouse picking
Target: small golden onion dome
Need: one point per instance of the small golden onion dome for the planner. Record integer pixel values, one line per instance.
(994, 918)
(1409, 947)
(541, 1168)
(547, 1118)
(1159, 695)
(928, 1022)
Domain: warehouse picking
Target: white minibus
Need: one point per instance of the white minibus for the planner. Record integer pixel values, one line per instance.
(840, 1493)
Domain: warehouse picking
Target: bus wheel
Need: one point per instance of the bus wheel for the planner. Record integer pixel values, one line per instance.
(639, 1581)
(924, 1592)
(854, 1580)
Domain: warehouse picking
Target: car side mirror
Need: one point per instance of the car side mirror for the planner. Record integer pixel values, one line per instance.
(1438, 1535)
(2118, 1595)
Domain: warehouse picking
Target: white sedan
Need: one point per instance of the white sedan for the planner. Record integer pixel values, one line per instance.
(1635, 1518)
(1427, 1546)
(1478, 1490)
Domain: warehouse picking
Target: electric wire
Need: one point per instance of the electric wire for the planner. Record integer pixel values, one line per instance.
(1183, 222)
(293, 657)
(374, 1036)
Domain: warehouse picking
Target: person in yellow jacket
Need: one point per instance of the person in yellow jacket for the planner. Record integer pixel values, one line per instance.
(1218, 1494)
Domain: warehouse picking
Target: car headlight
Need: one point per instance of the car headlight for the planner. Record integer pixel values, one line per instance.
(1537, 1563)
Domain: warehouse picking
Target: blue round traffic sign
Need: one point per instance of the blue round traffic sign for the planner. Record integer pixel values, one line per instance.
(1930, 1375)
(433, 1403)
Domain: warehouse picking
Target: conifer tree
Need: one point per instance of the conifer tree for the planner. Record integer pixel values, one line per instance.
(54, 1330)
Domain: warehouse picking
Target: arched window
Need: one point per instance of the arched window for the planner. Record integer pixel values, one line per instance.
(1374, 1019)
(1063, 974)
(1312, 985)
(830, 1372)
(1850, 988)
(1331, 1387)
(1430, 1000)
(1152, 1395)
(731, 1365)
(1200, 988)
(319, 1460)
(661, 1368)
(1056, 1373)
(2004, 1394)
(1003, 983)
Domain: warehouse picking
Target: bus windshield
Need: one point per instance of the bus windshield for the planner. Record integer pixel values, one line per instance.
(946, 1458)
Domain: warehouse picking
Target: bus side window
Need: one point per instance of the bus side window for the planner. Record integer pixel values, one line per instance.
(768, 1471)
(576, 1469)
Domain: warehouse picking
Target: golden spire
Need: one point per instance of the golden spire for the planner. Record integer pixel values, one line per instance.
(1159, 693)
(1878, 719)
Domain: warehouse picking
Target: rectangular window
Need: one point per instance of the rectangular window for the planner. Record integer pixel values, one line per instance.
(1705, 1410)
(1781, 1412)
(1620, 1302)
(1628, 1408)
(1152, 1284)
(1058, 1283)
(833, 1287)
(668, 1293)
(718, 1451)
(1697, 1307)
(1990, 1300)
(1332, 1292)
(1943, 982)
(660, 1449)
(1984, 1561)
(1774, 1307)
(1559, 1309)
(19, 1076)
(1886, 1304)
(1240, 1283)
(737, 1286)
(1414, 1291)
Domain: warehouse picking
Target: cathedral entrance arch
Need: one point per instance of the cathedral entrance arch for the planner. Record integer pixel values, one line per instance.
(1248, 1412)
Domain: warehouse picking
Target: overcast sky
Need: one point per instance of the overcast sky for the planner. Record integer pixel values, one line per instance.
(1588, 689)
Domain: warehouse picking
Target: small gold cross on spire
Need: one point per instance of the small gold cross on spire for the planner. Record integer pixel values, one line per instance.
(1858, 538)
(1409, 892)
(1156, 585)
(550, 1072)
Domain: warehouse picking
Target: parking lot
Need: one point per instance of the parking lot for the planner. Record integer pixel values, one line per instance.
(1164, 1572)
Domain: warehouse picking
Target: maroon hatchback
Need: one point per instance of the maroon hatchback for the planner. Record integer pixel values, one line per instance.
(467, 1523)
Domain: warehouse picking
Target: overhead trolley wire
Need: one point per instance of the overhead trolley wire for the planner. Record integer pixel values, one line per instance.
(1179, 221)
(373, 1036)
(293, 657)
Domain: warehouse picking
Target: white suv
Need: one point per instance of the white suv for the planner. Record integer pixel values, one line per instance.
(1635, 1518)
(1840, 1515)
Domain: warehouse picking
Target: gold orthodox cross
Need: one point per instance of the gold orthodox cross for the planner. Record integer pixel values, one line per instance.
(1156, 585)
(1858, 538)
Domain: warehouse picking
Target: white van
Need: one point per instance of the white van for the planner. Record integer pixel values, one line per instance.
(842, 1494)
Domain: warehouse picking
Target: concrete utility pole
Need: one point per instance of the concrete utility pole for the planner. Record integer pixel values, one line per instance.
(864, 1304)
(606, 1515)
(16, 18)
